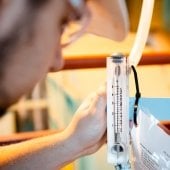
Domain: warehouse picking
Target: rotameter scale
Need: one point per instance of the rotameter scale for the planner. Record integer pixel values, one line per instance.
(117, 106)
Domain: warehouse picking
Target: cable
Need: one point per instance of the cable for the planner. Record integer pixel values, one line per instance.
(137, 96)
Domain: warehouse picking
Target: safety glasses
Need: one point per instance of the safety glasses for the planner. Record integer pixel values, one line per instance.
(77, 22)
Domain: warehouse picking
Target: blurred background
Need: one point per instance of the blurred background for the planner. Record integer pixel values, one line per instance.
(54, 100)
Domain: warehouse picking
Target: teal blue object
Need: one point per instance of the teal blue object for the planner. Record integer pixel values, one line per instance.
(64, 104)
(166, 14)
(71, 103)
(158, 107)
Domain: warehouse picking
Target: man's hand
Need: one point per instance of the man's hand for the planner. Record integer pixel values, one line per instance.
(88, 126)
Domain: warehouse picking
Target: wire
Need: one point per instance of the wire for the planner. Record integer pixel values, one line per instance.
(137, 96)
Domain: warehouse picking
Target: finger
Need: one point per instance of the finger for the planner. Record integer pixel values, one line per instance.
(99, 97)
(87, 102)
(95, 100)
(102, 90)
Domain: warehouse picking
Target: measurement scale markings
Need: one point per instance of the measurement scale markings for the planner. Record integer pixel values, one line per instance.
(117, 105)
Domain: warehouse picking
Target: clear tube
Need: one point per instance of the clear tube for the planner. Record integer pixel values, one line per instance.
(142, 32)
(117, 111)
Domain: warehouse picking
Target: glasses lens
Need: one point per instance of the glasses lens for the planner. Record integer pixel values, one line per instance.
(70, 31)
(74, 29)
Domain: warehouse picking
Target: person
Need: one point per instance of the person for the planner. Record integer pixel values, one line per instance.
(31, 34)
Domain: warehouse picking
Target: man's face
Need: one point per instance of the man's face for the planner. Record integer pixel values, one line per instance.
(30, 44)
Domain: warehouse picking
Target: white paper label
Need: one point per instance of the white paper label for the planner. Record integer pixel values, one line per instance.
(150, 145)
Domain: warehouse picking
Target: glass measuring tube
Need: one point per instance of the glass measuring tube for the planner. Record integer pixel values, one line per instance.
(117, 111)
